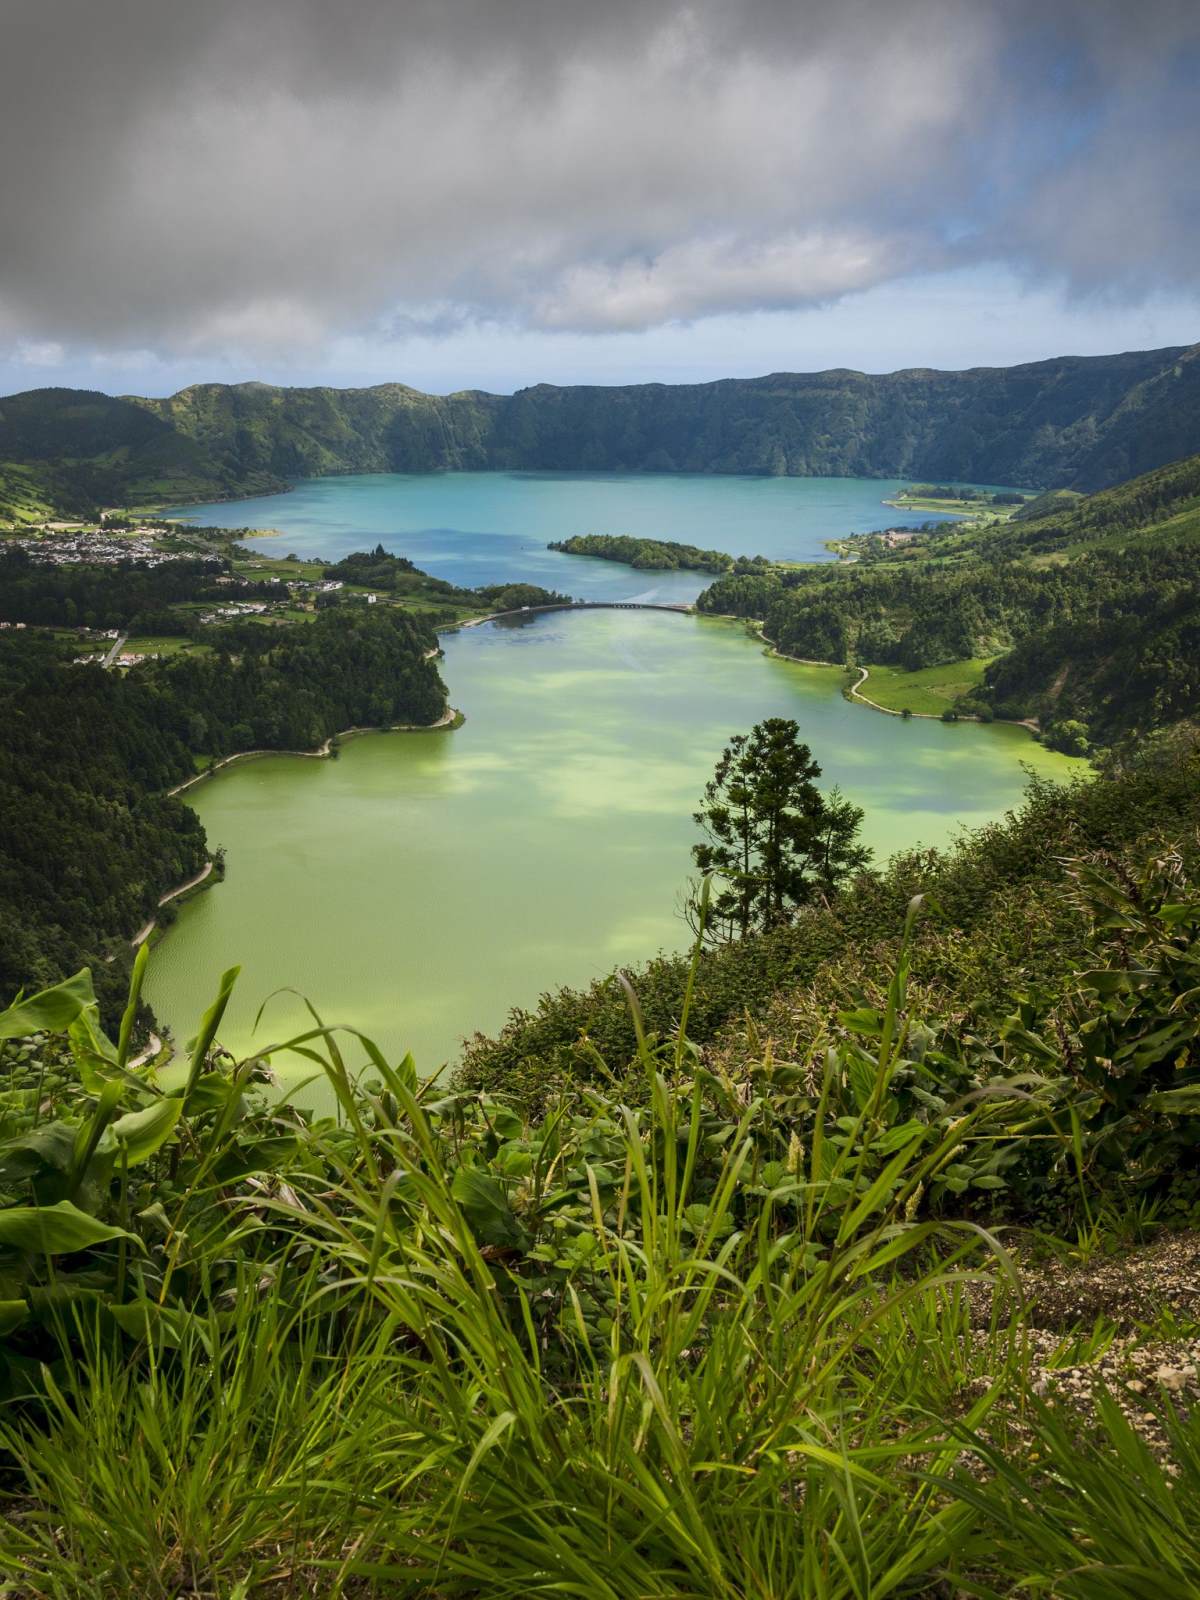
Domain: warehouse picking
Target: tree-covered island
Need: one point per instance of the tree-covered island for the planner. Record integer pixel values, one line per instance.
(653, 555)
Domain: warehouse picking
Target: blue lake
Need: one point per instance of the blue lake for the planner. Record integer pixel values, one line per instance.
(490, 527)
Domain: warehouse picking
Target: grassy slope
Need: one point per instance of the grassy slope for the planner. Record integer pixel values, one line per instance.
(1159, 505)
(164, 645)
(1089, 671)
(927, 692)
(25, 494)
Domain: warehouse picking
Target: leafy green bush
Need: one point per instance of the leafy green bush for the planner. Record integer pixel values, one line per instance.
(111, 1187)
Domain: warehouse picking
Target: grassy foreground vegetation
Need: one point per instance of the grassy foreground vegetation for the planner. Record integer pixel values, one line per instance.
(707, 1306)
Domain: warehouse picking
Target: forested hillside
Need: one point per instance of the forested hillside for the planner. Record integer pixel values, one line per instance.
(1162, 506)
(90, 840)
(73, 451)
(1131, 667)
(1093, 611)
(1080, 422)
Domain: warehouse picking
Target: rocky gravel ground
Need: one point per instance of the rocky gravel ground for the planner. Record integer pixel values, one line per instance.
(1133, 1289)
(1146, 1349)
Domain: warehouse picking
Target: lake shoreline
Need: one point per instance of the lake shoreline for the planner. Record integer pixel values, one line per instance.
(194, 882)
(478, 527)
(852, 690)
(931, 716)
(453, 880)
(449, 719)
(231, 497)
(452, 718)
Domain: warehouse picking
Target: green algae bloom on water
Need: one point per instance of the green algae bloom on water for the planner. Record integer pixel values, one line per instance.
(422, 884)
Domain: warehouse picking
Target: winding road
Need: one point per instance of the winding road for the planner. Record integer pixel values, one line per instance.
(165, 899)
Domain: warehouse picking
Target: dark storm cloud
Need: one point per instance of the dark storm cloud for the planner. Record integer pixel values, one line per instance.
(236, 174)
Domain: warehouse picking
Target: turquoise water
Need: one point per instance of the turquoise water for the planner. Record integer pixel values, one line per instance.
(490, 527)
(421, 884)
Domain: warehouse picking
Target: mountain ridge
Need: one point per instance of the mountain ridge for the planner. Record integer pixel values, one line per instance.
(1079, 422)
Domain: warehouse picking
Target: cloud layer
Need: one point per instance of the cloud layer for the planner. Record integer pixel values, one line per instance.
(267, 173)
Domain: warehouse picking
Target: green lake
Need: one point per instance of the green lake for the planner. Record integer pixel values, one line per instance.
(422, 883)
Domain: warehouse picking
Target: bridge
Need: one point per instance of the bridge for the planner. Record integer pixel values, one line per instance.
(627, 605)
(680, 608)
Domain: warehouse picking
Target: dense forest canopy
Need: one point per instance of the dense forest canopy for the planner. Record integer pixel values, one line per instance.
(290, 688)
(89, 839)
(921, 615)
(1081, 422)
(1166, 501)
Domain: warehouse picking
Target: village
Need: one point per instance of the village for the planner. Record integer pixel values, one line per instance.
(116, 540)
(65, 544)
